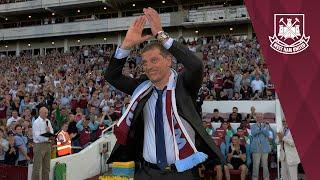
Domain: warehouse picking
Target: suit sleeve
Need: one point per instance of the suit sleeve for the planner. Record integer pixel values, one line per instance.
(115, 77)
(193, 73)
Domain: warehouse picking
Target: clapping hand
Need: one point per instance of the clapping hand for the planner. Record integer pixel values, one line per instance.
(154, 20)
(134, 33)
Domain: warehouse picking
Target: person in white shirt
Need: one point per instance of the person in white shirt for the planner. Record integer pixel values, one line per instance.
(257, 84)
(13, 118)
(42, 145)
(289, 156)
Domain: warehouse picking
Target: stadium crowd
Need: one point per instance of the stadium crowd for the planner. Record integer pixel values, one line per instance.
(73, 87)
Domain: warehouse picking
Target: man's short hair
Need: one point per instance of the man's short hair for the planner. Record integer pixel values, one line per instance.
(18, 125)
(236, 135)
(156, 45)
(215, 110)
(239, 128)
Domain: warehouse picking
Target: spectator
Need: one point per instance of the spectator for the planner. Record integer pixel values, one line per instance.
(228, 84)
(289, 156)
(216, 117)
(12, 154)
(14, 118)
(260, 147)
(251, 117)
(246, 92)
(4, 146)
(84, 132)
(236, 158)
(21, 142)
(3, 111)
(235, 116)
(236, 96)
(257, 84)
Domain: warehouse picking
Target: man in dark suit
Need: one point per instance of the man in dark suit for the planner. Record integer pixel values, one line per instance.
(150, 142)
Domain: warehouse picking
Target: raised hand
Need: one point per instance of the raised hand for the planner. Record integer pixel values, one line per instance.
(134, 33)
(154, 20)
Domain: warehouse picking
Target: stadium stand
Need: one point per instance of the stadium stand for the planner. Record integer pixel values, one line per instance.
(54, 54)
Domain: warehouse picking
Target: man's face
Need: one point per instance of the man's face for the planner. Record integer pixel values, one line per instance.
(44, 113)
(65, 127)
(18, 130)
(259, 117)
(240, 132)
(216, 114)
(225, 125)
(155, 65)
(235, 110)
(284, 123)
(235, 140)
(15, 114)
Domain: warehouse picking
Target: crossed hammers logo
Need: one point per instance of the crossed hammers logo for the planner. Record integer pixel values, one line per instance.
(289, 27)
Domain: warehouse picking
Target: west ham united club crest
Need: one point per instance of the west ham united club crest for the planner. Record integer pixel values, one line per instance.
(289, 37)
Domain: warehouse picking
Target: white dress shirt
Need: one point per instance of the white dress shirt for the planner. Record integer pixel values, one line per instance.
(39, 127)
(12, 119)
(149, 144)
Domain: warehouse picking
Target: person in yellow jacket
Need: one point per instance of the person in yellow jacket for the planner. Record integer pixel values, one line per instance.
(63, 141)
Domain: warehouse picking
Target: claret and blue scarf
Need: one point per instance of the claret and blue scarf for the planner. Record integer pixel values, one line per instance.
(186, 153)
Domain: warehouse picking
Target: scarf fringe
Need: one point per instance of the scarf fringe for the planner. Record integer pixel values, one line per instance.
(190, 161)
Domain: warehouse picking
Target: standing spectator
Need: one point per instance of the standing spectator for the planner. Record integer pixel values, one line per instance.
(246, 92)
(257, 84)
(84, 132)
(42, 146)
(3, 111)
(260, 147)
(12, 154)
(289, 156)
(228, 84)
(4, 146)
(237, 80)
(21, 143)
(14, 118)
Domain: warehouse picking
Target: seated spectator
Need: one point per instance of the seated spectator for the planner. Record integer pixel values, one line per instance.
(251, 117)
(235, 112)
(236, 96)
(4, 146)
(236, 158)
(208, 127)
(13, 118)
(216, 117)
(233, 118)
(21, 142)
(12, 154)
